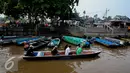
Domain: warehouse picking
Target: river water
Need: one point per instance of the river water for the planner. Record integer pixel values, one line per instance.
(111, 60)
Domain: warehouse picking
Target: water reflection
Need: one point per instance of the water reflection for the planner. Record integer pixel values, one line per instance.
(117, 52)
(77, 64)
(44, 67)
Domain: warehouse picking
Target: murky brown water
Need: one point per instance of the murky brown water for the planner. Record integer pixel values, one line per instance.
(109, 61)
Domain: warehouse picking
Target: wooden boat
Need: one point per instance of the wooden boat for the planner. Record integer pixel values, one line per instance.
(76, 40)
(20, 42)
(115, 40)
(46, 55)
(106, 42)
(19, 39)
(127, 41)
(7, 39)
(38, 44)
(54, 42)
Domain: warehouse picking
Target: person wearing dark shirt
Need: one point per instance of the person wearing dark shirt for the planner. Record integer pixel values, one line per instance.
(54, 51)
(30, 51)
(26, 46)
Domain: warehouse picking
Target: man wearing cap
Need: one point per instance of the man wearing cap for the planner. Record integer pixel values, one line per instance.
(26, 46)
(30, 51)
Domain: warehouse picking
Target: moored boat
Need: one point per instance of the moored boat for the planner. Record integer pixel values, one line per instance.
(106, 42)
(6, 41)
(9, 37)
(54, 42)
(38, 44)
(76, 40)
(46, 55)
(20, 42)
(127, 41)
(120, 42)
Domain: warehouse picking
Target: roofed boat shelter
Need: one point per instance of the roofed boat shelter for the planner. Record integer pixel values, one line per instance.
(118, 23)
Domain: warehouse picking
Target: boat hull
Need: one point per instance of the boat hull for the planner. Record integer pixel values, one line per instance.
(54, 42)
(76, 40)
(106, 43)
(61, 57)
(37, 45)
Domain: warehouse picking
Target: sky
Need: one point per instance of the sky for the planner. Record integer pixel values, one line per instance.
(92, 7)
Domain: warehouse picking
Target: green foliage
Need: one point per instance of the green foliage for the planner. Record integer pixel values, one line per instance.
(34, 8)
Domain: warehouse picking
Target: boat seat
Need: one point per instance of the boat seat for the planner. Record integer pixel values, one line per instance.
(40, 54)
(47, 54)
(73, 53)
(63, 53)
(88, 52)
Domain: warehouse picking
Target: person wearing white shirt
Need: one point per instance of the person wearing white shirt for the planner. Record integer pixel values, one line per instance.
(68, 51)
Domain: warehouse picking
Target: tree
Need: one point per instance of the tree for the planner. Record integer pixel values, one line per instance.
(120, 17)
(95, 16)
(38, 9)
(84, 12)
(109, 18)
(34, 8)
(75, 15)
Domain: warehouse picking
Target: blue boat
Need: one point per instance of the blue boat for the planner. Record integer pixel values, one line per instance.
(106, 42)
(54, 42)
(7, 39)
(115, 40)
(20, 42)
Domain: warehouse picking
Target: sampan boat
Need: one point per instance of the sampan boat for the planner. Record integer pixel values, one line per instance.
(46, 55)
(76, 40)
(120, 42)
(38, 44)
(127, 41)
(106, 42)
(54, 42)
(7, 39)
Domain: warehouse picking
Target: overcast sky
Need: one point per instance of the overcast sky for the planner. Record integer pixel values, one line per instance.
(116, 7)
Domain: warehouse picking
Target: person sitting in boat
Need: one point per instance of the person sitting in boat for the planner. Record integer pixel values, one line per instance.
(79, 50)
(26, 46)
(30, 51)
(68, 51)
(55, 51)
